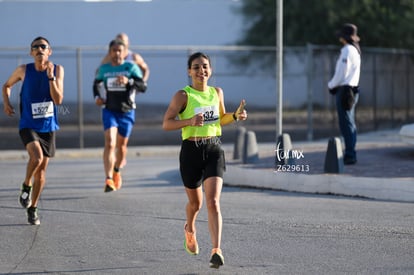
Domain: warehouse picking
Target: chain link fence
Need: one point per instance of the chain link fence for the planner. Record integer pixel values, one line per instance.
(386, 98)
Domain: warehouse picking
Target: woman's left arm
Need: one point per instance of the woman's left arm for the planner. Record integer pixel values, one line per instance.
(227, 118)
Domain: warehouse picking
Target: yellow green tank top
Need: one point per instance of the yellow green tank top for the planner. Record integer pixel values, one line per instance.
(207, 103)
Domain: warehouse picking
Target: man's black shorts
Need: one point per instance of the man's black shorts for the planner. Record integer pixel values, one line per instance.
(200, 160)
(47, 140)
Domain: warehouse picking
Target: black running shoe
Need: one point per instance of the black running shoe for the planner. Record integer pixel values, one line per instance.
(217, 258)
(32, 216)
(25, 197)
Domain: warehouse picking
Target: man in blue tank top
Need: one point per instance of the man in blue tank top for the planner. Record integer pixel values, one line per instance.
(41, 92)
(114, 89)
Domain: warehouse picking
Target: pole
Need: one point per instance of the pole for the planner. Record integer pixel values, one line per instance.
(279, 66)
(80, 98)
(309, 74)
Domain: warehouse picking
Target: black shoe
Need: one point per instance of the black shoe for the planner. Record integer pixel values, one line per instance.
(25, 197)
(350, 161)
(32, 216)
(217, 258)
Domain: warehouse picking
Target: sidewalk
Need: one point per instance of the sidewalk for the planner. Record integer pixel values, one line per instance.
(384, 170)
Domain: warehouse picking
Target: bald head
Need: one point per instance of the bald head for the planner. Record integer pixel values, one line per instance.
(124, 37)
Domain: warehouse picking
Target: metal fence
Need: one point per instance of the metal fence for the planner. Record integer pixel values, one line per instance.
(386, 82)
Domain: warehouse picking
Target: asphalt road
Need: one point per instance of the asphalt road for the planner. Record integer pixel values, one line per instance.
(139, 229)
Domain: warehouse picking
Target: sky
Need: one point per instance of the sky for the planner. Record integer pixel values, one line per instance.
(159, 22)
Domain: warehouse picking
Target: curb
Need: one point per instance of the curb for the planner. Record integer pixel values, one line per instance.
(390, 189)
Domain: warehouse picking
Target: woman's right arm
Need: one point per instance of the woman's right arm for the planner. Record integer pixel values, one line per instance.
(170, 121)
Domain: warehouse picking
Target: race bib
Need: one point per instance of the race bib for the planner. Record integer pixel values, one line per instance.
(211, 113)
(42, 109)
(114, 86)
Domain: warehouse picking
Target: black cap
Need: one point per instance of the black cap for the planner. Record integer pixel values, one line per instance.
(348, 32)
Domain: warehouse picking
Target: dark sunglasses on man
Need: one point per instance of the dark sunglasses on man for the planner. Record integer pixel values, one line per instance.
(42, 46)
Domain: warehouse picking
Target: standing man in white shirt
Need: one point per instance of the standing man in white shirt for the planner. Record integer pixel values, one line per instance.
(344, 85)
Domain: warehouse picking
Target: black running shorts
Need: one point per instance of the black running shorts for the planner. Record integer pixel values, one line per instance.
(47, 140)
(200, 160)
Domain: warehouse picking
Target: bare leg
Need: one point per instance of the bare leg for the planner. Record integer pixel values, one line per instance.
(121, 151)
(109, 151)
(212, 188)
(195, 201)
(39, 181)
(35, 160)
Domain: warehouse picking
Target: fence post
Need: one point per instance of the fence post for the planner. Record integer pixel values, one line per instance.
(309, 75)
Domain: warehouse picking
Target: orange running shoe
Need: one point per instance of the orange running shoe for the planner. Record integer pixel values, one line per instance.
(190, 242)
(117, 180)
(217, 258)
(109, 185)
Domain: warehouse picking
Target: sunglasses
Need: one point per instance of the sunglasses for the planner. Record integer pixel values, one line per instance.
(42, 46)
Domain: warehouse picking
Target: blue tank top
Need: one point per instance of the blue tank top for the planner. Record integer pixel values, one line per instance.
(37, 110)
